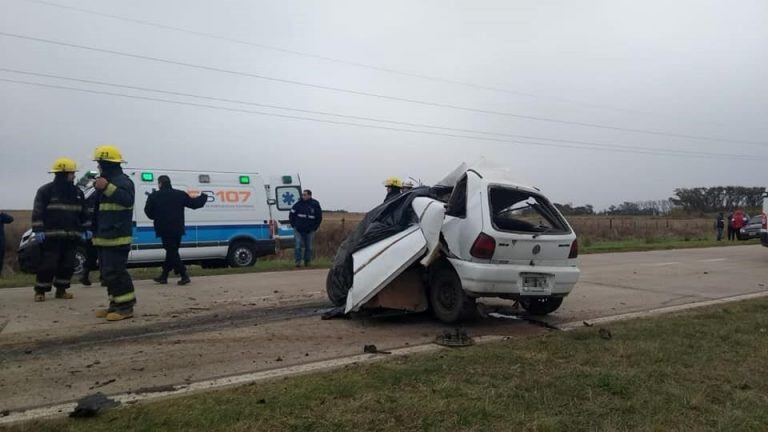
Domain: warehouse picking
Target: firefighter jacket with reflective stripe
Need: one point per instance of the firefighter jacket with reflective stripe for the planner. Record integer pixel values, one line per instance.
(113, 210)
(60, 211)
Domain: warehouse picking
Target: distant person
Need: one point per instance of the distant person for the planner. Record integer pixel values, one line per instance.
(394, 187)
(729, 226)
(719, 226)
(166, 208)
(5, 218)
(59, 221)
(737, 223)
(306, 216)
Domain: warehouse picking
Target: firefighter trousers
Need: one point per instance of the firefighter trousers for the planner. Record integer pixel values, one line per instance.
(113, 264)
(57, 264)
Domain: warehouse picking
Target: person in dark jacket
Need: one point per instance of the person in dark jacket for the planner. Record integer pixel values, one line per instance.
(5, 218)
(306, 216)
(59, 221)
(166, 208)
(113, 232)
(719, 226)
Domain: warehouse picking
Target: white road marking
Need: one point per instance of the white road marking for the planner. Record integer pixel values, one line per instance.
(61, 410)
(664, 264)
(714, 260)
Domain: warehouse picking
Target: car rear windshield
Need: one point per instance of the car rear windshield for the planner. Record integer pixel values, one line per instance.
(519, 211)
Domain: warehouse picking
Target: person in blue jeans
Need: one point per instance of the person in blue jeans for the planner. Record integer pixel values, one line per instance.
(306, 216)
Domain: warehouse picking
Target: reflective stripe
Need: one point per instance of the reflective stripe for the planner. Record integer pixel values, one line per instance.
(43, 285)
(64, 207)
(301, 216)
(124, 298)
(113, 207)
(118, 241)
(110, 189)
(37, 223)
(311, 217)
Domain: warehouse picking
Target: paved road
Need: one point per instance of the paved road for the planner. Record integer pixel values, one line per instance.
(221, 325)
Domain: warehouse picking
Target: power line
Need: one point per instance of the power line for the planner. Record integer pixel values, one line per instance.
(344, 123)
(359, 118)
(376, 95)
(331, 59)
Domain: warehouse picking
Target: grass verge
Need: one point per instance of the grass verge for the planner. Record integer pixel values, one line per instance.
(22, 279)
(641, 245)
(698, 370)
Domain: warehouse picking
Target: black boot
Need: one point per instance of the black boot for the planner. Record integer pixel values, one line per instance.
(184, 278)
(163, 278)
(85, 278)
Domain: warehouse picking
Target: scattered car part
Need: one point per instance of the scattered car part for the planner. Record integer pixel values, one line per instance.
(457, 338)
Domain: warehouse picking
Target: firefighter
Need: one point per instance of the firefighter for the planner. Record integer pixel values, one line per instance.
(113, 232)
(59, 221)
(407, 186)
(394, 186)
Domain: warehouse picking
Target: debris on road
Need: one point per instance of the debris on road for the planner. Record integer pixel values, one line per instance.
(371, 349)
(459, 338)
(92, 405)
(332, 313)
(587, 324)
(155, 389)
(105, 383)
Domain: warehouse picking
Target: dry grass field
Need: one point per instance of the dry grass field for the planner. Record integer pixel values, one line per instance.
(590, 229)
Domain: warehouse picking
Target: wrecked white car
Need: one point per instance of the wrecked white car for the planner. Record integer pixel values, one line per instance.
(477, 234)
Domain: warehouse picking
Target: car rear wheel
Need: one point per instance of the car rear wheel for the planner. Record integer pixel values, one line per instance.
(241, 254)
(540, 305)
(447, 298)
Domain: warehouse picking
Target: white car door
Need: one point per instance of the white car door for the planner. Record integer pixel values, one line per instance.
(377, 265)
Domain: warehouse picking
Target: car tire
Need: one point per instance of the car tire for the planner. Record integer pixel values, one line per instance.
(447, 299)
(80, 259)
(540, 305)
(241, 254)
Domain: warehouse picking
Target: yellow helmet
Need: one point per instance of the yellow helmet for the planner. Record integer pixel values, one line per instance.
(63, 165)
(393, 182)
(108, 153)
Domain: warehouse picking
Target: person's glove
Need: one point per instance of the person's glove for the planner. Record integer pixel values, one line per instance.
(39, 237)
(87, 235)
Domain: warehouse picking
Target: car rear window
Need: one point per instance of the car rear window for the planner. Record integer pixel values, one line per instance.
(519, 211)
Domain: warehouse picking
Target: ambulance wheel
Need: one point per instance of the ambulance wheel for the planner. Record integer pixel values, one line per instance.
(80, 259)
(447, 298)
(241, 254)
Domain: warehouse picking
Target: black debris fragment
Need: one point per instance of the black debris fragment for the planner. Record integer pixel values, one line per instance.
(332, 313)
(5, 413)
(605, 334)
(261, 401)
(92, 405)
(457, 338)
(371, 349)
(587, 324)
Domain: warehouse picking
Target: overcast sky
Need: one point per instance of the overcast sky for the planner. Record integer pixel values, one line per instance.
(693, 67)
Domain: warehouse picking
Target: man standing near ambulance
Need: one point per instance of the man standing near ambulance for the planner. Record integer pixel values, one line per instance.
(306, 216)
(113, 231)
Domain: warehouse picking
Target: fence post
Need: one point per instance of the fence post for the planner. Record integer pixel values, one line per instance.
(610, 223)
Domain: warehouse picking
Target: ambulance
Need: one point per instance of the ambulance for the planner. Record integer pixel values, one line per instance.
(246, 217)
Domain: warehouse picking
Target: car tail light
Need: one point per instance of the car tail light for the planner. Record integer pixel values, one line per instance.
(483, 247)
(574, 250)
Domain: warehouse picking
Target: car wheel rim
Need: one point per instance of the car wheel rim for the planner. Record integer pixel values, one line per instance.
(243, 256)
(446, 296)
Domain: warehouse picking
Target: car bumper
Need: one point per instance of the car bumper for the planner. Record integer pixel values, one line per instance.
(480, 279)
